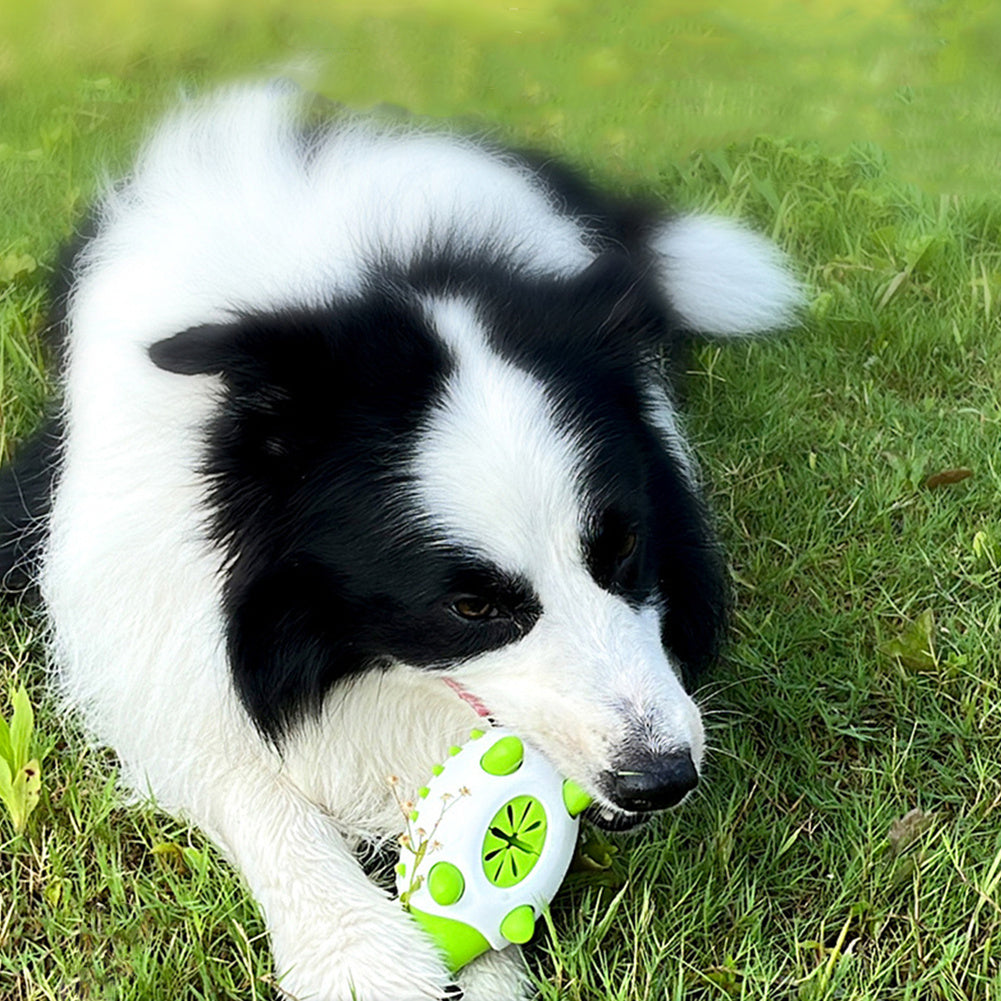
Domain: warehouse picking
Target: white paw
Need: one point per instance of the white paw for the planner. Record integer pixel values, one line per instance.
(496, 976)
(362, 957)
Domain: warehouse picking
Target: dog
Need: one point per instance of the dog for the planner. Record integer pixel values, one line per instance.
(361, 435)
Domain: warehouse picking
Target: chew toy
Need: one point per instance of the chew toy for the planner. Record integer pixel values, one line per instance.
(488, 844)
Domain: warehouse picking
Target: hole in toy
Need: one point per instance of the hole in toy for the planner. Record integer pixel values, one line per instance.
(514, 841)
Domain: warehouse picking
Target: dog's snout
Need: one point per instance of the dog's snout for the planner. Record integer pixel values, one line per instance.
(654, 782)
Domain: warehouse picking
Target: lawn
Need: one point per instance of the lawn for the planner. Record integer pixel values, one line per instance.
(847, 840)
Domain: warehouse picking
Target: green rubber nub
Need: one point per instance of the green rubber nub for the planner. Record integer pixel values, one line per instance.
(505, 757)
(458, 942)
(574, 798)
(519, 925)
(514, 841)
(445, 883)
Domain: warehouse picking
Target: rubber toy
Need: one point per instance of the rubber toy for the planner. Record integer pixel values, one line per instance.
(488, 844)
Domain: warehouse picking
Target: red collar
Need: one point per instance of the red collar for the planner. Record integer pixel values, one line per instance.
(467, 697)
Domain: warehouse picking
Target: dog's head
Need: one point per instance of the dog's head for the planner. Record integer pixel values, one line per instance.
(469, 469)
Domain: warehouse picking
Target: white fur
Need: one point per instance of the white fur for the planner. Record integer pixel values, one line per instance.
(519, 494)
(724, 279)
(221, 215)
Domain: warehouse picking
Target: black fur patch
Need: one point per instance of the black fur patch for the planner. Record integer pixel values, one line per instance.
(26, 488)
(330, 571)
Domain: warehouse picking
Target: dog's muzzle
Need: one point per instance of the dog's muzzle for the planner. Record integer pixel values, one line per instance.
(638, 787)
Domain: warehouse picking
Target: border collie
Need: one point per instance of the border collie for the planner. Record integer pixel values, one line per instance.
(349, 410)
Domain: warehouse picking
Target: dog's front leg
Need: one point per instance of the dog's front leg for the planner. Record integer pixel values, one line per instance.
(334, 934)
(496, 976)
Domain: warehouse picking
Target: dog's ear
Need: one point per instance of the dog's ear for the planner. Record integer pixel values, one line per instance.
(237, 351)
(277, 372)
(289, 641)
(723, 279)
(204, 350)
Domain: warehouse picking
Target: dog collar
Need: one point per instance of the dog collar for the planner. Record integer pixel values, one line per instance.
(468, 697)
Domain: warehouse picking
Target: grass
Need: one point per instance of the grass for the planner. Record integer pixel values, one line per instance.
(847, 843)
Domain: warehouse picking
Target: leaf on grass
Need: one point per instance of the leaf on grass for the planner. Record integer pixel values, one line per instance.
(914, 647)
(13, 265)
(923, 252)
(986, 547)
(22, 726)
(596, 863)
(594, 854)
(907, 829)
(6, 750)
(196, 859)
(54, 891)
(20, 790)
(6, 786)
(892, 289)
(947, 477)
(171, 855)
(28, 785)
(20, 775)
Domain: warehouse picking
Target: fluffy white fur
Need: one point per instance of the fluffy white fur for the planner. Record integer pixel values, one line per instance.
(220, 214)
(724, 279)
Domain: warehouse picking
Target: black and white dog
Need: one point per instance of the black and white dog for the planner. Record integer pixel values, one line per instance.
(349, 410)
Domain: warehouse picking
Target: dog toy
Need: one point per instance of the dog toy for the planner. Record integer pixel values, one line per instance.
(488, 844)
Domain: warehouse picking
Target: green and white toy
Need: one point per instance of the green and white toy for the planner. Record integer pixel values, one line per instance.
(488, 845)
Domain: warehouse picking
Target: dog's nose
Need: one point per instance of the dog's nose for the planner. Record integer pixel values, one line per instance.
(653, 782)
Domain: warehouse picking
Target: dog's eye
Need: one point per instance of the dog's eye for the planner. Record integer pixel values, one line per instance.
(472, 607)
(627, 546)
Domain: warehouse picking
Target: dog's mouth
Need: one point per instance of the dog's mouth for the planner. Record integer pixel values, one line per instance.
(608, 818)
(601, 814)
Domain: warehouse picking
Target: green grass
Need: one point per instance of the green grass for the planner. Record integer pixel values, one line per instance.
(782, 878)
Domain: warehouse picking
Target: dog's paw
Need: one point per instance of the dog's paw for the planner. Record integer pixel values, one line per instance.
(362, 959)
(496, 976)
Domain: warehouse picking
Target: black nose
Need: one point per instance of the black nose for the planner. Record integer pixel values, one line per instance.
(653, 782)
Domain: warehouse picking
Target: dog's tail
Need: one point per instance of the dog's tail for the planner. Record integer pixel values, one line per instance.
(26, 487)
(724, 280)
